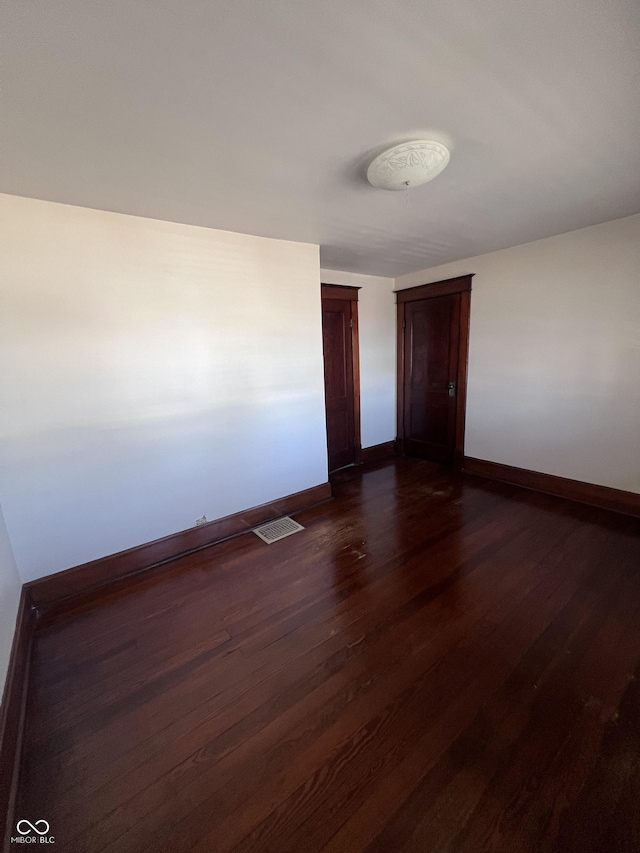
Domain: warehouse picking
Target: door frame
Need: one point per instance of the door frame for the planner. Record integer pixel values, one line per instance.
(350, 294)
(462, 285)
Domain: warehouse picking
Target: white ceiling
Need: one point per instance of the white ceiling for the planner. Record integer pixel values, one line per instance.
(261, 117)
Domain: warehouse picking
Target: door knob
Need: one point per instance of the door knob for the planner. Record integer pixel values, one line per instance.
(452, 389)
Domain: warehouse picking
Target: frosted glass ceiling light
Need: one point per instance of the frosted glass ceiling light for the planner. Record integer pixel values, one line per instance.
(408, 164)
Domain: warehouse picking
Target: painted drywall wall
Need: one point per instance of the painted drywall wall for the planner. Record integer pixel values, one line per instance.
(377, 332)
(150, 373)
(554, 360)
(10, 586)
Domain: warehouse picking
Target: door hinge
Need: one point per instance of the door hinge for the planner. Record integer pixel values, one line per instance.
(351, 323)
(404, 322)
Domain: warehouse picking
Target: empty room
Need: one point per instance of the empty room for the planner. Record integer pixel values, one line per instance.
(320, 426)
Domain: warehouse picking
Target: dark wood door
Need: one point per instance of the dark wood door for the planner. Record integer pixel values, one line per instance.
(338, 380)
(431, 352)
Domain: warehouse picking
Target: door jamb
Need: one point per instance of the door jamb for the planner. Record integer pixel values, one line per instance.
(462, 285)
(350, 294)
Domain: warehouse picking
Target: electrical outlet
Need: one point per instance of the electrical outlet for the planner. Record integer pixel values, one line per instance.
(202, 520)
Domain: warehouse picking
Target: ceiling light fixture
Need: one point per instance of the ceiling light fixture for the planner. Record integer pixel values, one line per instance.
(408, 164)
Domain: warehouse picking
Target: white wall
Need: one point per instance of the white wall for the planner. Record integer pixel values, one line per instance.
(150, 373)
(10, 586)
(377, 333)
(554, 363)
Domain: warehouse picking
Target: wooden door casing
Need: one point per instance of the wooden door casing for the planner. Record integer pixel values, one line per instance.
(433, 336)
(339, 340)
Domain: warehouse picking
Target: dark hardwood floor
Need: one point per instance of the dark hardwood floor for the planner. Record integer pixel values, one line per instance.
(436, 663)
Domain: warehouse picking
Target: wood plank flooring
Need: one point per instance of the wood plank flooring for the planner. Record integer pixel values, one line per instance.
(437, 663)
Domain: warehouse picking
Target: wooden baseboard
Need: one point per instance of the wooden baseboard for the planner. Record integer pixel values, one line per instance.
(602, 497)
(54, 588)
(12, 714)
(377, 453)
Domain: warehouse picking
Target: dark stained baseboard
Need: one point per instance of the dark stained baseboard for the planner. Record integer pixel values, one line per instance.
(377, 453)
(603, 497)
(12, 714)
(54, 588)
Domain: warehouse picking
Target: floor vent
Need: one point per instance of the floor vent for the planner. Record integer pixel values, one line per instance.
(278, 529)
